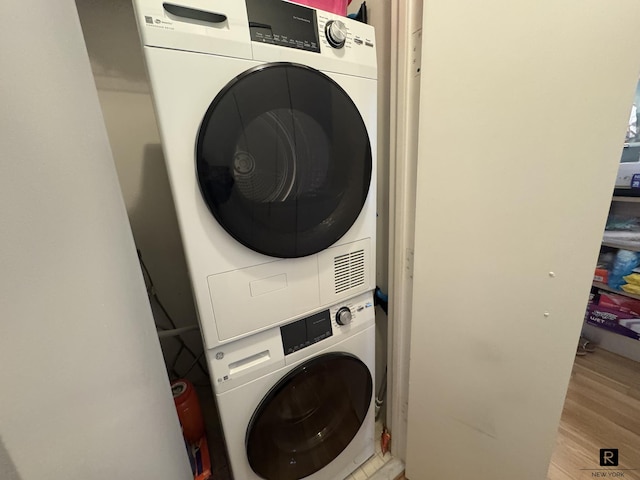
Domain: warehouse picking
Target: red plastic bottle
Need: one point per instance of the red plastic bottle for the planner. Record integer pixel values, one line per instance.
(189, 411)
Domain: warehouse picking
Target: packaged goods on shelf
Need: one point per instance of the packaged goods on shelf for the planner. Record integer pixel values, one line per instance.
(624, 264)
(620, 303)
(601, 275)
(615, 313)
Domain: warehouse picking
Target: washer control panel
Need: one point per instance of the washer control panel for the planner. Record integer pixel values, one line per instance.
(335, 321)
(351, 313)
(343, 316)
(244, 360)
(306, 332)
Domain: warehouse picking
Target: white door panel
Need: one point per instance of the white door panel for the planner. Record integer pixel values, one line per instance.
(523, 114)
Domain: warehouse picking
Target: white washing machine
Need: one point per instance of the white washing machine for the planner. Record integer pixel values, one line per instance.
(267, 114)
(296, 401)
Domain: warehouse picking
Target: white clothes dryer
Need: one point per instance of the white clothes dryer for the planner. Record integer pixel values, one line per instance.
(297, 401)
(267, 116)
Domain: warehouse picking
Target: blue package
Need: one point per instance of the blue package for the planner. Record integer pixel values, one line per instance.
(623, 265)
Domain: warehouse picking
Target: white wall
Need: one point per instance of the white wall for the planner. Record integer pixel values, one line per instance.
(523, 109)
(84, 392)
(406, 18)
(116, 59)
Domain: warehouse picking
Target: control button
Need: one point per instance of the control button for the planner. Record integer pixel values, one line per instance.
(358, 41)
(336, 33)
(343, 317)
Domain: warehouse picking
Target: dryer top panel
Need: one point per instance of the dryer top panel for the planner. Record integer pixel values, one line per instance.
(208, 26)
(266, 30)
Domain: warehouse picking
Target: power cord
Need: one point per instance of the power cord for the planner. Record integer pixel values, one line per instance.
(153, 295)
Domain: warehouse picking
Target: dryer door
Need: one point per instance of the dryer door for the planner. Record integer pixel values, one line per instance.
(309, 417)
(284, 160)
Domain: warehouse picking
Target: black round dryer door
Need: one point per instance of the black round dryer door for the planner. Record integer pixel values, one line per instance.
(284, 160)
(309, 417)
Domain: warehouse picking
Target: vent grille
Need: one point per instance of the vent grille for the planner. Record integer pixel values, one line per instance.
(348, 271)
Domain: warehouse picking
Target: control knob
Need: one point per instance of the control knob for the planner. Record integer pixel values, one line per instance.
(343, 316)
(336, 33)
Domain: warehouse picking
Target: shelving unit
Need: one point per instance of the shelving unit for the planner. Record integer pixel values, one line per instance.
(604, 286)
(608, 338)
(618, 198)
(623, 207)
(634, 247)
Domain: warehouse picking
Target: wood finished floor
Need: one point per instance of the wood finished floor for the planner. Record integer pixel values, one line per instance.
(602, 410)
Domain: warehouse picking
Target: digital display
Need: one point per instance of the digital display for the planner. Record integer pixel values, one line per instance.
(284, 24)
(305, 332)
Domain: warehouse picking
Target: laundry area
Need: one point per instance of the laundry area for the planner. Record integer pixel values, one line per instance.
(320, 240)
(275, 234)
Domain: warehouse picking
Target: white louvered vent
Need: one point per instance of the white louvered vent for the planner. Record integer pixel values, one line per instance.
(348, 271)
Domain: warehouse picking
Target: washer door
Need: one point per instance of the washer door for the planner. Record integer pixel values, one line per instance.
(309, 417)
(284, 160)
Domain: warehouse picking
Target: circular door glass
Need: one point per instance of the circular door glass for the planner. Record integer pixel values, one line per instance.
(309, 417)
(283, 160)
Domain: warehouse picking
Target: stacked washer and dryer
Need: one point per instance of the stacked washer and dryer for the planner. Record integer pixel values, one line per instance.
(267, 114)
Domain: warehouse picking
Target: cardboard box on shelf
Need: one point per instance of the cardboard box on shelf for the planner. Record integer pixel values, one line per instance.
(601, 275)
(611, 319)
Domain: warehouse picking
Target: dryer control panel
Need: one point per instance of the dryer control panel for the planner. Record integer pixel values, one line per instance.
(284, 24)
(261, 30)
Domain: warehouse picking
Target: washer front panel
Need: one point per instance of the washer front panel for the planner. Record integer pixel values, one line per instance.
(258, 382)
(309, 417)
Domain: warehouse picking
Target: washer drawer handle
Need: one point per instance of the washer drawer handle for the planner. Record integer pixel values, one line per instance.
(192, 13)
(249, 362)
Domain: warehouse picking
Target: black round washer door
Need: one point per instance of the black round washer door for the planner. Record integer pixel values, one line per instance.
(284, 160)
(309, 417)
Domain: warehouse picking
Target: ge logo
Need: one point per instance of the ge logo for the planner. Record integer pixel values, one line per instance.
(219, 356)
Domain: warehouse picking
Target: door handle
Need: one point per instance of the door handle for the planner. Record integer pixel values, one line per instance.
(194, 14)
